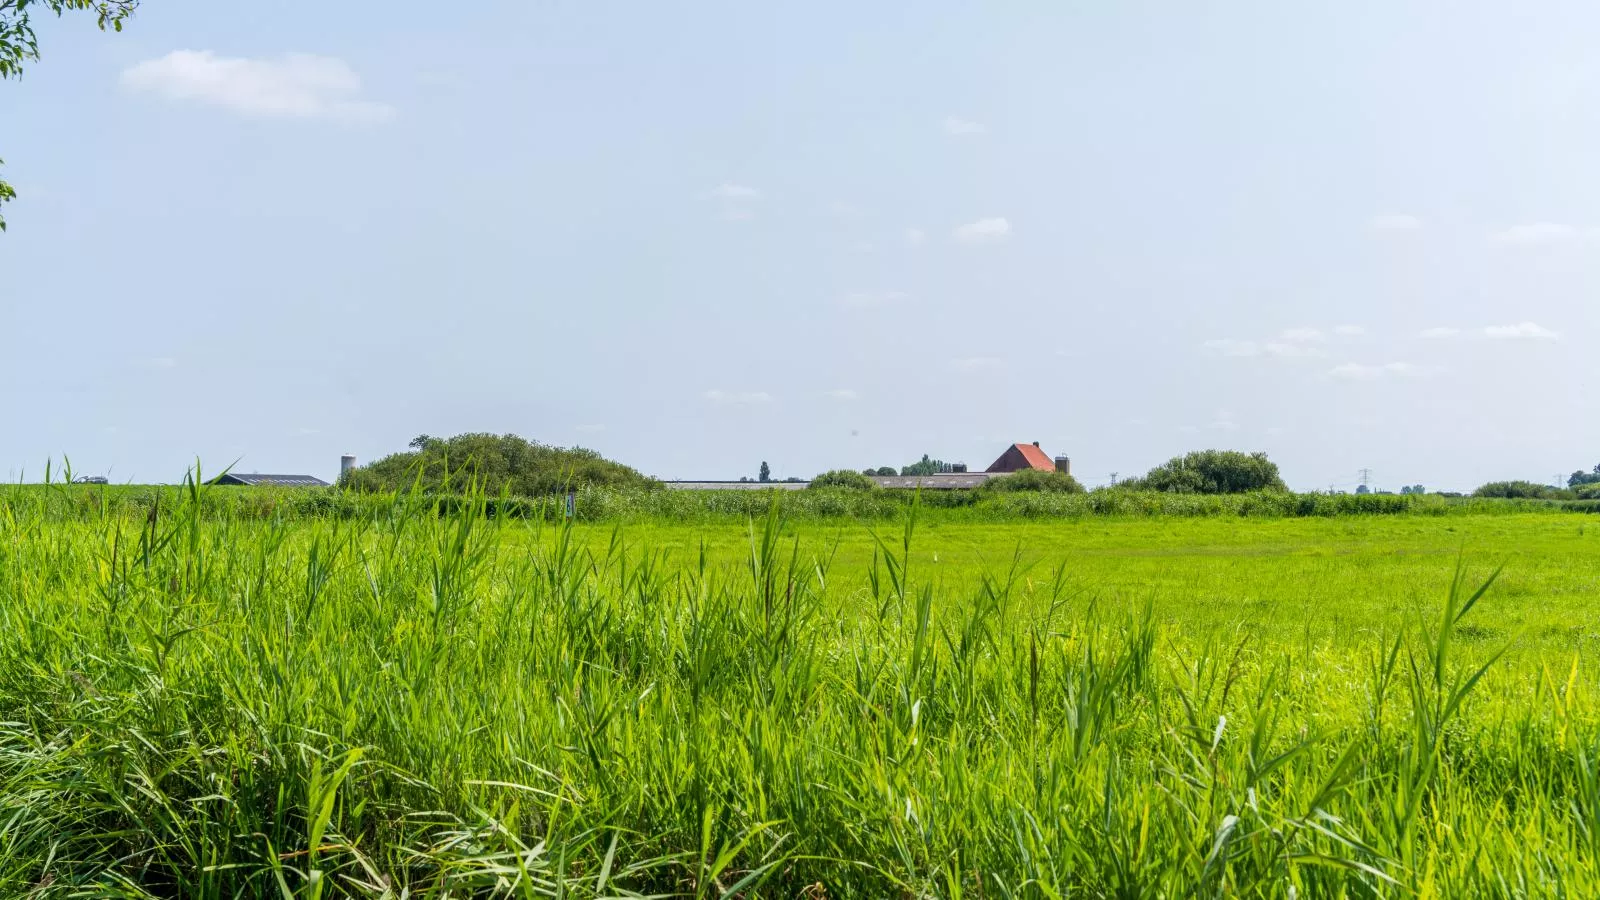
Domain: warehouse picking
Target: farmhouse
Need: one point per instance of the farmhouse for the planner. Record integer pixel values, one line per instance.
(1019, 457)
(254, 480)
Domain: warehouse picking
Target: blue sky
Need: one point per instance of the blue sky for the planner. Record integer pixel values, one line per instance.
(834, 235)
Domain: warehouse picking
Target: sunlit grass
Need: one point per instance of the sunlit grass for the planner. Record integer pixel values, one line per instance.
(407, 703)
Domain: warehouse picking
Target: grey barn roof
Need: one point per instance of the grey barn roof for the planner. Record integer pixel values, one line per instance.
(256, 480)
(734, 485)
(944, 481)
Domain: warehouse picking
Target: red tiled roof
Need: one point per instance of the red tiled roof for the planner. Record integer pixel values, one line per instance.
(1036, 458)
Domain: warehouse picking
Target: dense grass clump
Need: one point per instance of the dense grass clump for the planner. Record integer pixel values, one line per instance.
(427, 702)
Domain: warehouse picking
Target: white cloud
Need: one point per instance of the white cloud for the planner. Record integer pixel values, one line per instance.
(1231, 347)
(1292, 350)
(1359, 372)
(976, 363)
(983, 231)
(1439, 333)
(1302, 335)
(958, 127)
(844, 395)
(295, 85)
(1522, 330)
(736, 192)
(1394, 222)
(738, 398)
(916, 237)
(1349, 330)
(1534, 233)
(874, 298)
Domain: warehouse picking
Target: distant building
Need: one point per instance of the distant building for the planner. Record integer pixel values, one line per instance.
(254, 480)
(1020, 457)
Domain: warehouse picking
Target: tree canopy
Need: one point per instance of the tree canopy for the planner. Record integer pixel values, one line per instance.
(19, 45)
(1581, 478)
(1212, 472)
(497, 462)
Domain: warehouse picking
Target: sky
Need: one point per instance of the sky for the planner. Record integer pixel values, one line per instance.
(833, 235)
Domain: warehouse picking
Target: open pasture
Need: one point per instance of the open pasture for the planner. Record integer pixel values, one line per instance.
(423, 705)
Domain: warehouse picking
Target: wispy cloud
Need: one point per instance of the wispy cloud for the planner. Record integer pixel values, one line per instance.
(983, 231)
(1394, 222)
(738, 398)
(1231, 347)
(738, 201)
(736, 192)
(1291, 350)
(1349, 330)
(1535, 233)
(976, 363)
(1439, 333)
(1281, 349)
(156, 362)
(843, 395)
(959, 127)
(1360, 372)
(1302, 335)
(295, 85)
(874, 298)
(916, 237)
(1521, 331)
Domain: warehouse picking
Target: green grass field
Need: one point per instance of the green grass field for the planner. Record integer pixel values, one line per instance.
(408, 704)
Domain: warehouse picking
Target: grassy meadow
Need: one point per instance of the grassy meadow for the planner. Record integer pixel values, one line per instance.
(398, 703)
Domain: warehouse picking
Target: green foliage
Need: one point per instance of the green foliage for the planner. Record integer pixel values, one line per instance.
(881, 471)
(1212, 472)
(18, 44)
(1522, 490)
(1413, 489)
(843, 478)
(496, 463)
(924, 466)
(1581, 478)
(765, 474)
(1033, 480)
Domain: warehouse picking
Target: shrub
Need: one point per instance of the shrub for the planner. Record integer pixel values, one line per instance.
(1521, 490)
(1033, 480)
(843, 478)
(495, 462)
(1212, 472)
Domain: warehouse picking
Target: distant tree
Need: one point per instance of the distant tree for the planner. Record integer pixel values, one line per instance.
(924, 466)
(844, 479)
(765, 474)
(18, 45)
(1212, 472)
(1581, 478)
(1521, 490)
(886, 471)
(1363, 489)
(493, 462)
(421, 441)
